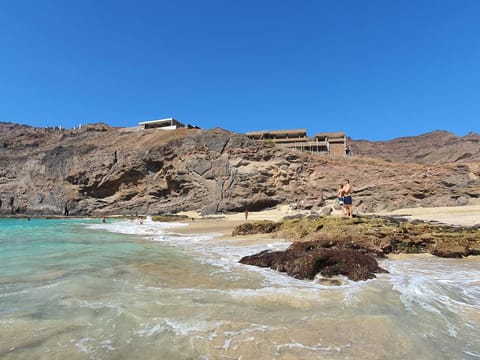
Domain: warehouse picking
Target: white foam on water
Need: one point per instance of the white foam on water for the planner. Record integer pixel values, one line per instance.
(178, 328)
(446, 289)
(85, 345)
(431, 282)
(425, 281)
(473, 354)
(316, 348)
(223, 254)
(437, 290)
(136, 227)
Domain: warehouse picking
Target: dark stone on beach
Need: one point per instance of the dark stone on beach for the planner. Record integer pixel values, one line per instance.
(256, 228)
(450, 253)
(304, 260)
(329, 282)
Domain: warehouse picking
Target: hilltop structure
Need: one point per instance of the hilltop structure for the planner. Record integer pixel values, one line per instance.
(165, 124)
(332, 143)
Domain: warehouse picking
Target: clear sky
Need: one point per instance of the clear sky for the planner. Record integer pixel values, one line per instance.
(376, 69)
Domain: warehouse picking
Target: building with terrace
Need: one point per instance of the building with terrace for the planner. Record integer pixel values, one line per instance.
(332, 143)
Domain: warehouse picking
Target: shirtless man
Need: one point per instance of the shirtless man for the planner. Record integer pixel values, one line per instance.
(347, 198)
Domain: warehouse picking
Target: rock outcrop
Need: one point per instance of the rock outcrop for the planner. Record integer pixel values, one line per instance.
(375, 235)
(103, 170)
(333, 246)
(304, 260)
(437, 147)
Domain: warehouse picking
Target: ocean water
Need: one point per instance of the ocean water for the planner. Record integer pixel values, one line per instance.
(80, 289)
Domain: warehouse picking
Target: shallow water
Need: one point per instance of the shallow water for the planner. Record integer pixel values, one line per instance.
(79, 289)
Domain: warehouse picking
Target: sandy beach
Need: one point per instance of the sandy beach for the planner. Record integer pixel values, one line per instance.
(468, 215)
(223, 225)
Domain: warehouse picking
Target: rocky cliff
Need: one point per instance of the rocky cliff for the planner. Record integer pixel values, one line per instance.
(103, 170)
(437, 147)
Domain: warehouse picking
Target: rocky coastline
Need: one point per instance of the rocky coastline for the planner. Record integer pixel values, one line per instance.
(332, 246)
(100, 170)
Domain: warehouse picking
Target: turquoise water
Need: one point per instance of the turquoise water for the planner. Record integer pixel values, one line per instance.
(80, 289)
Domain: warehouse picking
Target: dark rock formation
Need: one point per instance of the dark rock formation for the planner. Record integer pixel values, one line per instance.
(378, 236)
(304, 260)
(347, 247)
(266, 227)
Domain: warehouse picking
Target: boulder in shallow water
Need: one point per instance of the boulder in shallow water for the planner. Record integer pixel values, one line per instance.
(304, 260)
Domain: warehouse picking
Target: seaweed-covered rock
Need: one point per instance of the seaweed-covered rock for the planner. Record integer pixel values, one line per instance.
(304, 260)
(378, 236)
(265, 227)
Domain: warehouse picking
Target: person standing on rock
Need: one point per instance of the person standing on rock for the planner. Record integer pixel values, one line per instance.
(340, 198)
(347, 198)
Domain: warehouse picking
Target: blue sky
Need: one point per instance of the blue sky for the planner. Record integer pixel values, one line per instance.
(376, 69)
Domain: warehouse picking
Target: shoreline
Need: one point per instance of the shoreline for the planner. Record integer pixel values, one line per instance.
(468, 215)
(224, 224)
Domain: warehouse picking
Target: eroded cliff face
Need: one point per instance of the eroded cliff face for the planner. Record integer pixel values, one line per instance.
(104, 170)
(436, 147)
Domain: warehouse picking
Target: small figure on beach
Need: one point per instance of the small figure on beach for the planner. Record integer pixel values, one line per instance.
(11, 204)
(340, 195)
(246, 214)
(65, 210)
(340, 199)
(347, 198)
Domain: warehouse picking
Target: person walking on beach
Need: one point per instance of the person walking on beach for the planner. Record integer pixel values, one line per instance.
(347, 198)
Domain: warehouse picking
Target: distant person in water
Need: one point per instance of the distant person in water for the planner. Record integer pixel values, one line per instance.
(347, 198)
(104, 219)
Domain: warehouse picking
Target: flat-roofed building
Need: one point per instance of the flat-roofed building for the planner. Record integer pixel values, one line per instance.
(293, 134)
(333, 143)
(163, 124)
(336, 142)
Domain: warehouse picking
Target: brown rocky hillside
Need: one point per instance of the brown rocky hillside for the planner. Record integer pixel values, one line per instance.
(437, 147)
(105, 170)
